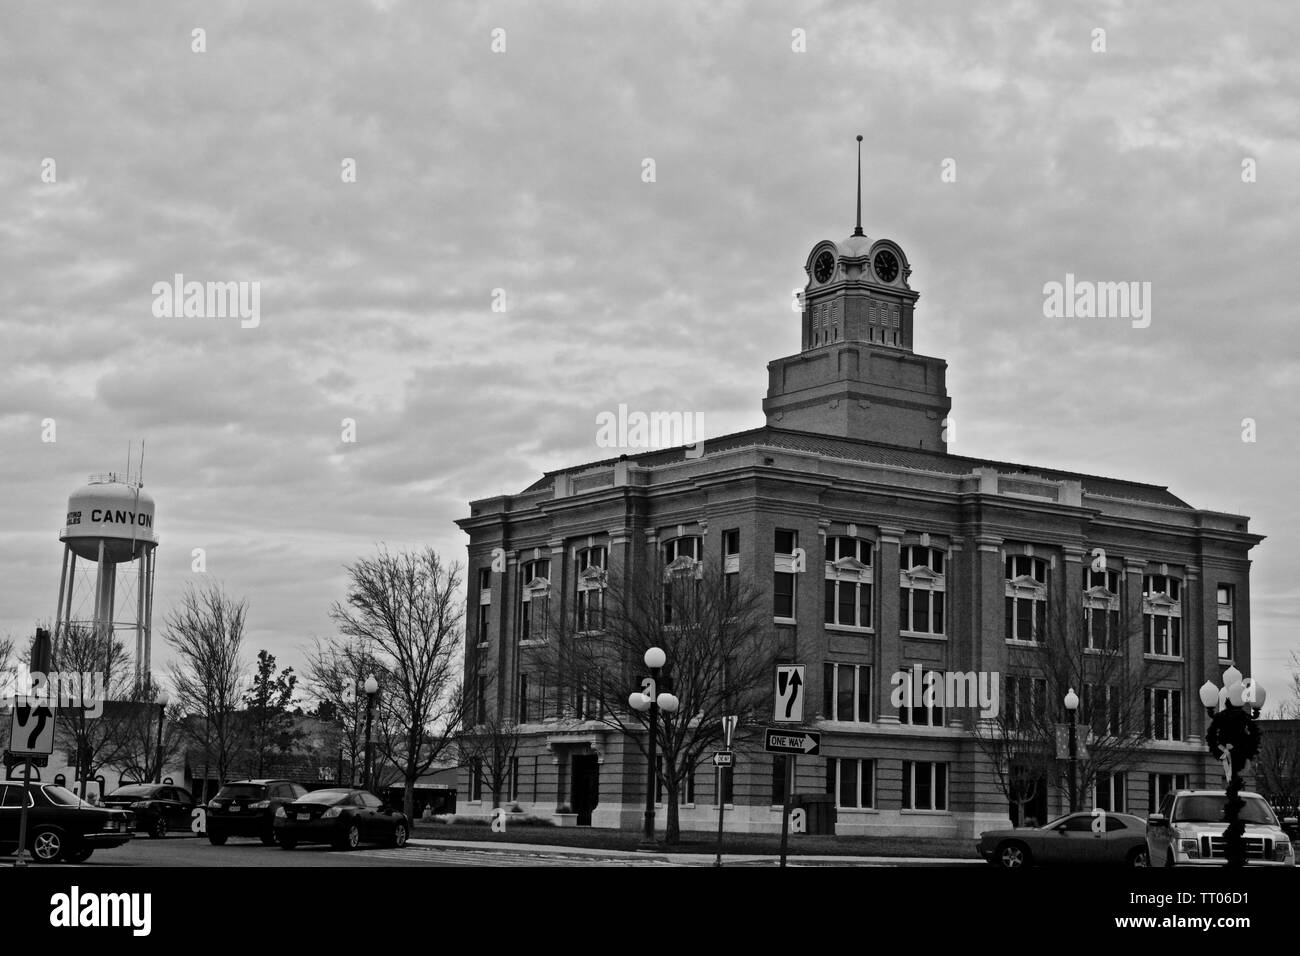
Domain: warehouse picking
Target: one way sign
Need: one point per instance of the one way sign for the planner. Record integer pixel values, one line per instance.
(32, 731)
(788, 708)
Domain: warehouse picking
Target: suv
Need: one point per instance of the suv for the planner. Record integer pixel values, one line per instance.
(1188, 830)
(247, 808)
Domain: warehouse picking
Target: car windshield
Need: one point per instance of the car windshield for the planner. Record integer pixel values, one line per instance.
(1209, 809)
(242, 790)
(325, 797)
(63, 797)
(136, 791)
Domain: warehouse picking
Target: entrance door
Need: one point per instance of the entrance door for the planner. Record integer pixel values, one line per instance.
(585, 786)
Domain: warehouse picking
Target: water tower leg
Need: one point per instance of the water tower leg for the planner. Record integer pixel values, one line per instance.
(72, 583)
(141, 669)
(148, 612)
(63, 583)
(98, 622)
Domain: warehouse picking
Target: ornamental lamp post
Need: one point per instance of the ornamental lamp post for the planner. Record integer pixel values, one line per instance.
(1233, 737)
(650, 699)
(161, 700)
(1071, 705)
(371, 687)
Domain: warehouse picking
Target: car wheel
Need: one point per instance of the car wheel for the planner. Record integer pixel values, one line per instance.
(217, 839)
(399, 835)
(287, 843)
(1013, 854)
(47, 845)
(1138, 857)
(159, 829)
(82, 855)
(269, 838)
(349, 839)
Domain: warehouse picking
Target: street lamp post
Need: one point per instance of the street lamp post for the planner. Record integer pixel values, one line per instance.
(161, 700)
(1072, 705)
(371, 688)
(649, 698)
(1233, 737)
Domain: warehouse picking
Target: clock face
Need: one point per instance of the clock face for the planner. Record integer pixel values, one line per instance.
(824, 267)
(886, 265)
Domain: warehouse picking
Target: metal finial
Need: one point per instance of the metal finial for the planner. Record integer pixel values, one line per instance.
(858, 230)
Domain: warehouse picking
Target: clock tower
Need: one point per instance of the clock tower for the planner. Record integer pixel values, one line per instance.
(856, 375)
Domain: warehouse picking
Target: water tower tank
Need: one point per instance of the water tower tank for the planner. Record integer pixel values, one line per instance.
(113, 512)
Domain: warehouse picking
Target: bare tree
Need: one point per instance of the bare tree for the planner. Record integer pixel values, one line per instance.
(1099, 657)
(206, 633)
(336, 668)
(137, 755)
(407, 606)
(488, 749)
(1277, 768)
(718, 664)
(101, 666)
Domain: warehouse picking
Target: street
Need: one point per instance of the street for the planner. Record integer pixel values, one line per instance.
(240, 852)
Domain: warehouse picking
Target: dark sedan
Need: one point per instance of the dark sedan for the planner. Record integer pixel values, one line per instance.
(157, 807)
(343, 818)
(1075, 838)
(248, 807)
(60, 827)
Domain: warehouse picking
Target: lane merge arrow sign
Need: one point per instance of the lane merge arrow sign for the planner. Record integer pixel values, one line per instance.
(778, 740)
(788, 706)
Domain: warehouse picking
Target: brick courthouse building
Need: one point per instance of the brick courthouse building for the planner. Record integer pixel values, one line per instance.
(914, 558)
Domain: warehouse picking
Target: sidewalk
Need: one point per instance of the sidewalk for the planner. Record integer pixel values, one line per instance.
(681, 859)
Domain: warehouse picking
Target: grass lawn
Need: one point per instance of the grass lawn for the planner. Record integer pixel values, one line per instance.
(694, 841)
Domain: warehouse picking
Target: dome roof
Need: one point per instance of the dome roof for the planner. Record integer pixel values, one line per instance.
(854, 247)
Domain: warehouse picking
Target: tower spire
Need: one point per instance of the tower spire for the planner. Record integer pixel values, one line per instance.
(858, 230)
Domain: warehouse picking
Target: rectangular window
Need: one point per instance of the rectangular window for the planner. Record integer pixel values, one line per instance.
(475, 780)
(849, 582)
(1225, 598)
(847, 692)
(514, 778)
(852, 782)
(481, 624)
(1161, 785)
(484, 579)
(1026, 701)
(1162, 615)
(783, 581)
(681, 583)
(1164, 714)
(1026, 598)
(1100, 710)
(480, 700)
(1111, 793)
(925, 785)
(523, 698)
(915, 712)
(534, 595)
(921, 589)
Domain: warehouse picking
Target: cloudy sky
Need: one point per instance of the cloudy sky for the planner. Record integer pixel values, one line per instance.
(522, 170)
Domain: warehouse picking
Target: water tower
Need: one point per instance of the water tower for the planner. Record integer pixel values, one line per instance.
(110, 528)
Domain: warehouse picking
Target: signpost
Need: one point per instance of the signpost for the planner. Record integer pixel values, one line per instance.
(30, 735)
(720, 760)
(787, 708)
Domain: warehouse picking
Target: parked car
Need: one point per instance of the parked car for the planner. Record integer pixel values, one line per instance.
(157, 807)
(247, 808)
(344, 818)
(1188, 830)
(1069, 839)
(61, 828)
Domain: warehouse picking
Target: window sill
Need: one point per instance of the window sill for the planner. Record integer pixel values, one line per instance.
(1015, 642)
(923, 635)
(534, 642)
(850, 628)
(840, 809)
(927, 813)
(595, 633)
(784, 620)
(483, 644)
(1169, 658)
(832, 724)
